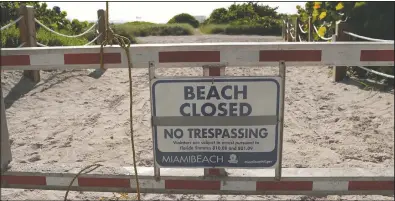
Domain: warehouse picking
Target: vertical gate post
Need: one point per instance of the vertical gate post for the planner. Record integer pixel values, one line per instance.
(101, 25)
(289, 37)
(310, 33)
(340, 72)
(214, 71)
(27, 30)
(6, 156)
(297, 29)
(151, 74)
(282, 72)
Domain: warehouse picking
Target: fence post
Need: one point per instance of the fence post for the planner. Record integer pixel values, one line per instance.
(101, 25)
(212, 72)
(310, 33)
(297, 29)
(289, 37)
(340, 72)
(27, 30)
(283, 30)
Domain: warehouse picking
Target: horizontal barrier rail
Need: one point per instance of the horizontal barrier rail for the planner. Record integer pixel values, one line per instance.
(202, 54)
(295, 181)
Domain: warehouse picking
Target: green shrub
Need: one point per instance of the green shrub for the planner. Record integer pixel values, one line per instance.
(49, 39)
(247, 18)
(131, 31)
(184, 18)
(139, 23)
(10, 38)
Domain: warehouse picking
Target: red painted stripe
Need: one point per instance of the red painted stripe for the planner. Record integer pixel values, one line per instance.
(189, 56)
(92, 58)
(214, 72)
(24, 180)
(192, 185)
(103, 182)
(284, 185)
(214, 171)
(377, 55)
(15, 60)
(370, 185)
(290, 55)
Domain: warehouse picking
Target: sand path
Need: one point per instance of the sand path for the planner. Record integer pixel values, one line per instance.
(70, 118)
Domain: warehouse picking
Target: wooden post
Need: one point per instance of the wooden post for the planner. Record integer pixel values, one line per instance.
(297, 29)
(5, 153)
(101, 26)
(27, 30)
(218, 71)
(283, 30)
(340, 72)
(310, 33)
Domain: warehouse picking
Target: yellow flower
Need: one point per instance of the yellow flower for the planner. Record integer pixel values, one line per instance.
(322, 15)
(322, 31)
(339, 6)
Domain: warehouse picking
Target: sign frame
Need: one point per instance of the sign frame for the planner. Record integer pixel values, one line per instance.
(274, 155)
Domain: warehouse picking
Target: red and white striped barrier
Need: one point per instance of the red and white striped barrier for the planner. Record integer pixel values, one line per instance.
(308, 181)
(201, 54)
(295, 181)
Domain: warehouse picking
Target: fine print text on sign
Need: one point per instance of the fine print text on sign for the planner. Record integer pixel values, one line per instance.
(216, 122)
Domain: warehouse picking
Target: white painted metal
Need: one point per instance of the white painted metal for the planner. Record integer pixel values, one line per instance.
(282, 73)
(232, 54)
(296, 181)
(324, 180)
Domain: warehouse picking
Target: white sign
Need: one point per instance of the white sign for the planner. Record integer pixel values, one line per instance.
(216, 122)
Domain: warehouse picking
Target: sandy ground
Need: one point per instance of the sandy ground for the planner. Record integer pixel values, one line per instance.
(72, 118)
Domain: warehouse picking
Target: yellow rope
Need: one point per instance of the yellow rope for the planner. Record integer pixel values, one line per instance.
(109, 37)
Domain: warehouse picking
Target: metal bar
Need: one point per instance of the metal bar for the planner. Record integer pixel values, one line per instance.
(231, 54)
(151, 73)
(295, 181)
(214, 71)
(282, 72)
(215, 121)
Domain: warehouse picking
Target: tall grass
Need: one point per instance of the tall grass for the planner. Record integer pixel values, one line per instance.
(239, 29)
(10, 38)
(131, 29)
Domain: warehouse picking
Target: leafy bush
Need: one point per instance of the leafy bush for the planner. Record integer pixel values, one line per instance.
(247, 18)
(10, 37)
(129, 30)
(373, 19)
(184, 18)
(52, 18)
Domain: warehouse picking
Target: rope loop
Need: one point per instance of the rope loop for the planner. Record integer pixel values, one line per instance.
(124, 43)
